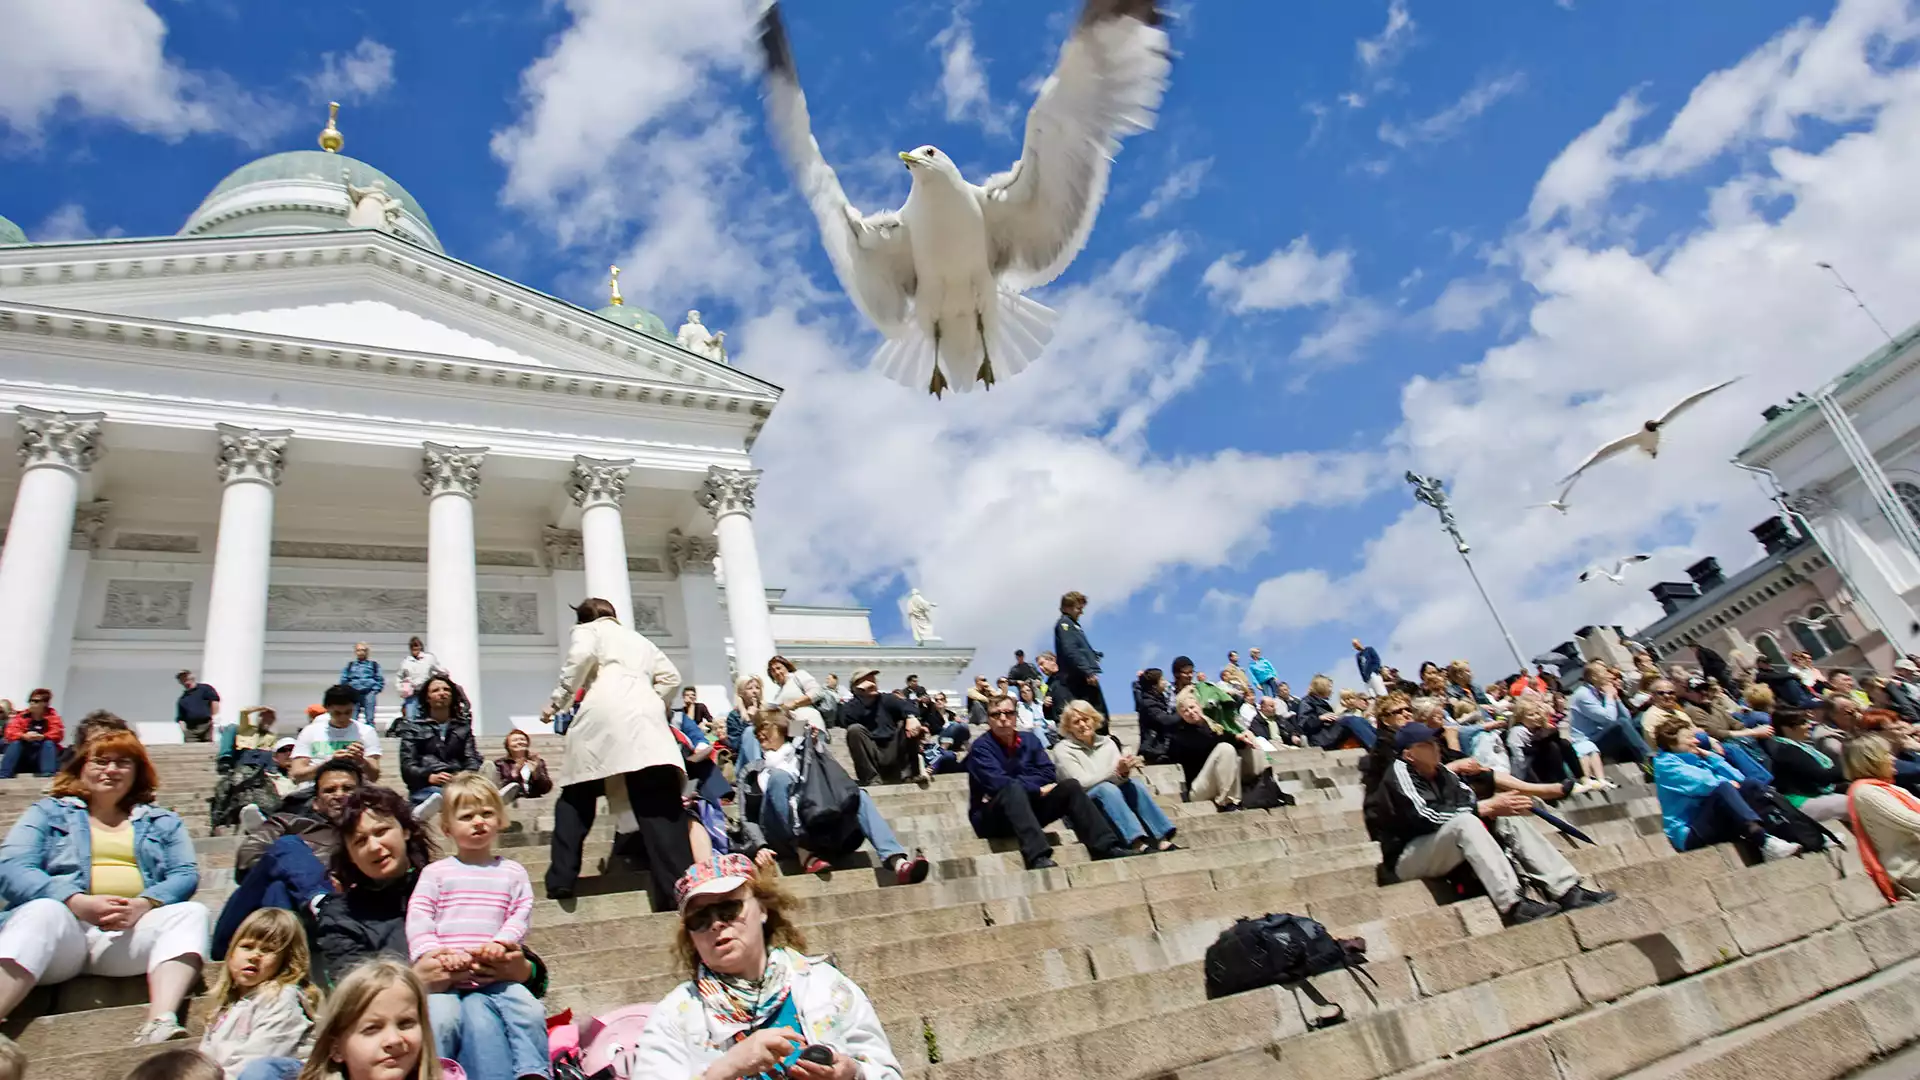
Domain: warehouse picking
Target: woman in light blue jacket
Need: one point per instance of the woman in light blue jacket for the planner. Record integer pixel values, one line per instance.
(99, 881)
(1703, 799)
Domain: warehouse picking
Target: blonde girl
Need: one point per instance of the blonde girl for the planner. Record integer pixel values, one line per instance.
(260, 1004)
(375, 1028)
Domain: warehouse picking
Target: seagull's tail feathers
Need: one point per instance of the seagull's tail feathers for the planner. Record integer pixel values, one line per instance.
(907, 358)
(1013, 339)
(1020, 334)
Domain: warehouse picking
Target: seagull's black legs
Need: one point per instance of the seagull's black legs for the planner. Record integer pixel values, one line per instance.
(939, 383)
(985, 375)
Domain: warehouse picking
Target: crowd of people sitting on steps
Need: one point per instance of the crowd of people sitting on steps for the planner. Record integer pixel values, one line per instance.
(351, 946)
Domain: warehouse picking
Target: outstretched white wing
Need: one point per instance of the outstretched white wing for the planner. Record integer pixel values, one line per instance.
(1108, 85)
(873, 253)
(1617, 446)
(1693, 399)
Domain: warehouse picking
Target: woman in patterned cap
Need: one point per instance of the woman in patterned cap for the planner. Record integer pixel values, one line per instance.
(753, 1002)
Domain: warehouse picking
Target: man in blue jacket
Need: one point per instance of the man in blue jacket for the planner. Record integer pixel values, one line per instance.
(1079, 665)
(1012, 791)
(1597, 714)
(1367, 658)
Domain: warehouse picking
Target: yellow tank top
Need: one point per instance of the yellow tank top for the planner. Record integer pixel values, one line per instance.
(115, 873)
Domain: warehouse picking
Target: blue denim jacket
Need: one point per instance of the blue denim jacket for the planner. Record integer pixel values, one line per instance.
(49, 853)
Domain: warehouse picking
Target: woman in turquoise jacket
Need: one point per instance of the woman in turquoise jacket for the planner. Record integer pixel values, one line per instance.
(99, 881)
(1703, 799)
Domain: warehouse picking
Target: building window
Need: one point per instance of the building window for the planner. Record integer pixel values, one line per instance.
(1909, 497)
(1809, 641)
(1770, 649)
(1832, 634)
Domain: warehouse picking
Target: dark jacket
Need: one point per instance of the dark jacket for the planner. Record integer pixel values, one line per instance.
(315, 831)
(1157, 721)
(1798, 773)
(1077, 658)
(1787, 688)
(505, 772)
(424, 751)
(1368, 660)
(371, 920)
(884, 717)
(1023, 672)
(1189, 745)
(1311, 717)
(991, 766)
(1406, 806)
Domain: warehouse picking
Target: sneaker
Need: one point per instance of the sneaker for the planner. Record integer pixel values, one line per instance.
(428, 807)
(910, 871)
(251, 818)
(1527, 911)
(1226, 807)
(1581, 897)
(1773, 849)
(158, 1030)
(511, 793)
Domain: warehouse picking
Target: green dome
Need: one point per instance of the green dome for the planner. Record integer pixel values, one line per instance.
(637, 318)
(294, 168)
(10, 233)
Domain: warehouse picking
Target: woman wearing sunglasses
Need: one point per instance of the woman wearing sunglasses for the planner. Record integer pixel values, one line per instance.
(753, 1003)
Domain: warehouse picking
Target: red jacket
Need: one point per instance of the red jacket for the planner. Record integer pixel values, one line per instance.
(17, 726)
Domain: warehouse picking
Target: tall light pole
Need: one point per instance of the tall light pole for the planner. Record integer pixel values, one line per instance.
(1432, 492)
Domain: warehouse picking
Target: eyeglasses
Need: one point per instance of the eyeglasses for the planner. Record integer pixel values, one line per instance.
(40, 701)
(110, 764)
(703, 920)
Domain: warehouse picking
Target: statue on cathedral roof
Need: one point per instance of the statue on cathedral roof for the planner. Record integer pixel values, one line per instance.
(697, 339)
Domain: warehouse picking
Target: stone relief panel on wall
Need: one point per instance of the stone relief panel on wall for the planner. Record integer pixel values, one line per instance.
(146, 605)
(178, 543)
(509, 613)
(364, 610)
(650, 616)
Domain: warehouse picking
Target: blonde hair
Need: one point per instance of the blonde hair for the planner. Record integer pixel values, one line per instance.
(1320, 686)
(276, 931)
(1352, 699)
(740, 690)
(1760, 698)
(350, 998)
(1185, 696)
(1082, 710)
(465, 788)
(1460, 708)
(1868, 757)
(765, 720)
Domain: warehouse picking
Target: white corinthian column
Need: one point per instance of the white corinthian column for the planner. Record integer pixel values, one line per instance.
(249, 465)
(450, 476)
(597, 486)
(728, 496)
(56, 449)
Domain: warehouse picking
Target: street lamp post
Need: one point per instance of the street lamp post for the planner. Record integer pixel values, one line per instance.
(1432, 492)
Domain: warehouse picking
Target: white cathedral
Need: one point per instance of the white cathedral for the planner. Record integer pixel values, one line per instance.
(299, 424)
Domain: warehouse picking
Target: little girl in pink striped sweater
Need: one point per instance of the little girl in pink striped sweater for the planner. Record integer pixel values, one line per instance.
(466, 910)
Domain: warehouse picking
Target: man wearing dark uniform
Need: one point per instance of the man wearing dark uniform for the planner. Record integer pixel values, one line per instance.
(1079, 663)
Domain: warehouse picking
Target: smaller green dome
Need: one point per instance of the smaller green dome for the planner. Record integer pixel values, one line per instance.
(11, 234)
(637, 318)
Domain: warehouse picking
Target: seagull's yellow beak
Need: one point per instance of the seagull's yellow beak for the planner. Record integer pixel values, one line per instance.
(908, 158)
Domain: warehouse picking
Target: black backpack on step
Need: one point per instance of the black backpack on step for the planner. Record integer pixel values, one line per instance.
(1276, 949)
(826, 804)
(1788, 822)
(1264, 793)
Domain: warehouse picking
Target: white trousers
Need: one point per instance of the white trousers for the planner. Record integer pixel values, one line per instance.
(45, 938)
(1221, 775)
(1466, 838)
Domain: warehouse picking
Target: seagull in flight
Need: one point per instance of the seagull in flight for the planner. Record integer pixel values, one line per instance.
(1647, 439)
(1558, 502)
(944, 276)
(1618, 573)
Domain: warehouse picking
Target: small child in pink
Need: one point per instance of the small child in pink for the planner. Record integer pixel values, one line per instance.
(467, 909)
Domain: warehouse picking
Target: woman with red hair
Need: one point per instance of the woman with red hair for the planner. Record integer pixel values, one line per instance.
(99, 881)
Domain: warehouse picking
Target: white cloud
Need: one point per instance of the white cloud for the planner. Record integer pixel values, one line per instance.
(1179, 186)
(1831, 72)
(358, 75)
(1385, 49)
(963, 81)
(1345, 333)
(69, 222)
(1452, 120)
(107, 60)
(1612, 334)
(1464, 304)
(1291, 277)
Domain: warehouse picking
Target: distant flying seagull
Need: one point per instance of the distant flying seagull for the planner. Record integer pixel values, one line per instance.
(1558, 502)
(943, 276)
(1648, 437)
(1617, 574)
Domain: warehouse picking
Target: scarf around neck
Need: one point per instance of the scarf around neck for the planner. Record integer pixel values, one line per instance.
(749, 1003)
(1870, 858)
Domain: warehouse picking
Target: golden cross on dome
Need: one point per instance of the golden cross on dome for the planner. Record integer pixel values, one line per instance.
(330, 138)
(614, 283)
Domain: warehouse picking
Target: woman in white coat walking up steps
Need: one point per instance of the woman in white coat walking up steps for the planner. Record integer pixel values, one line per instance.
(618, 742)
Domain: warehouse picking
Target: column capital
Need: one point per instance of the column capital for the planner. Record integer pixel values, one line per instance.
(691, 554)
(68, 440)
(728, 491)
(451, 470)
(563, 548)
(251, 454)
(598, 481)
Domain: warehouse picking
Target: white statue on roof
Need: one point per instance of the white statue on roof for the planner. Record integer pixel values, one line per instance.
(370, 207)
(920, 617)
(697, 339)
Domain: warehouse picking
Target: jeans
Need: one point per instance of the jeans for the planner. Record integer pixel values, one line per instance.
(1347, 724)
(1131, 808)
(416, 796)
(1623, 742)
(363, 709)
(750, 750)
(956, 736)
(271, 1068)
(1269, 688)
(778, 824)
(285, 876)
(1722, 816)
(410, 707)
(44, 755)
(495, 1032)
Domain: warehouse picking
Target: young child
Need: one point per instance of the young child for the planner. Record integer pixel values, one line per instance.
(179, 1063)
(467, 908)
(376, 1027)
(260, 1003)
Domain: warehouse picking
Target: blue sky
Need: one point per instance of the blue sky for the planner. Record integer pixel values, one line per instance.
(1474, 240)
